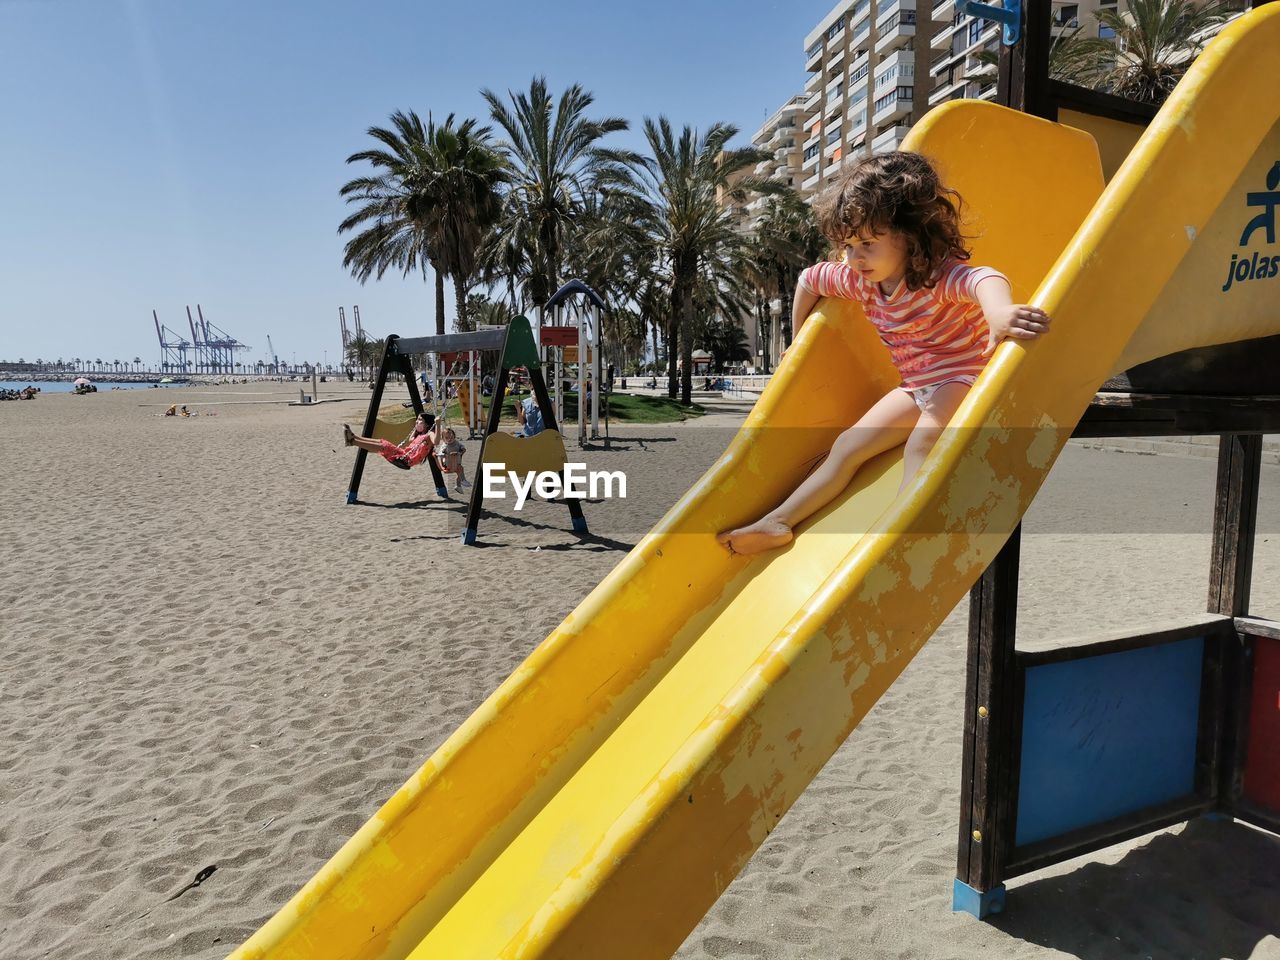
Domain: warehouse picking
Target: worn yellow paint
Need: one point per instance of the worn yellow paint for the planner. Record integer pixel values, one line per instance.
(603, 797)
(540, 453)
(397, 433)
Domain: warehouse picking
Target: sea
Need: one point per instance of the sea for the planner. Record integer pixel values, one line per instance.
(60, 387)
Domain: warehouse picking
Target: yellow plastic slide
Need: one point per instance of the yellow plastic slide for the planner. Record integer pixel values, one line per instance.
(598, 803)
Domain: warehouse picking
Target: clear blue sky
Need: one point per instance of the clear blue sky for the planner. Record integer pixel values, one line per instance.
(158, 153)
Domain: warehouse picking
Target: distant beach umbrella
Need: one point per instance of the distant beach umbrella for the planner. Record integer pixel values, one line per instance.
(81, 382)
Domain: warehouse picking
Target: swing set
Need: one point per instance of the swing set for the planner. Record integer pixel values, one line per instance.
(543, 452)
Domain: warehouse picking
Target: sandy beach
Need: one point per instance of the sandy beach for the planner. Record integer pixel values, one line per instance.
(210, 659)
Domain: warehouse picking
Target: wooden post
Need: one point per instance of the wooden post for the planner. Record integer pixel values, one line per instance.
(371, 418)
(539, 388)
(1235, 520)
(1023, 71)
(985, 827)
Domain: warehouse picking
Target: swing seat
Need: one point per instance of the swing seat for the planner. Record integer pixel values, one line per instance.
(543, 452)
(391, 432)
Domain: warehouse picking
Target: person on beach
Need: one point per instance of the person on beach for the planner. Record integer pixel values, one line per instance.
(898, 230)
(529, 416)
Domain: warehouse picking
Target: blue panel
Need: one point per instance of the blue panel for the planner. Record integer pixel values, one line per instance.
(965, 899)
(1104, 736)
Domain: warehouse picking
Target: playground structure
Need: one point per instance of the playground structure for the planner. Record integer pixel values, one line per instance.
(461, 374)
(606, 794)
(572, 339)
(544, 452)
(1201, 732)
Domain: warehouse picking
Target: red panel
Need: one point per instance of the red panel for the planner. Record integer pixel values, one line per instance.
(1262, 762)
(559, 336)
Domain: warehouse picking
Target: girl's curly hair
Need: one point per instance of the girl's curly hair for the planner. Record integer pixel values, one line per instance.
(899, 192)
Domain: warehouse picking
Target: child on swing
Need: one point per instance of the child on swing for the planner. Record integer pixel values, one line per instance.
(904, 259)
(428, 437)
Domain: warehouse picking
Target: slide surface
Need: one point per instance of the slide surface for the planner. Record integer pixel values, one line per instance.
(603, 797)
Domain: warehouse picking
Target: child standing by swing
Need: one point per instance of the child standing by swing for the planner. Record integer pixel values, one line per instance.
(904, 261)
(449, 451)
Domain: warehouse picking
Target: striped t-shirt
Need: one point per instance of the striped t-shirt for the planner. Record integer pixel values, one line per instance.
(933, 334)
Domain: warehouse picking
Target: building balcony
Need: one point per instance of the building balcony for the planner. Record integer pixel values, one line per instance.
(834, 62)
(987, 93)
(834, 105)
(896, 59)
(814, 60)
(945, 92)
(898, 33)
(811, 142)
(889, 7)
(811, 182)
(890, 139)
(944, 11)
(984, 38)
(811, 163)
(812, 103)
(942, 39)
(814, 83)
(899, 106)
(941, 63)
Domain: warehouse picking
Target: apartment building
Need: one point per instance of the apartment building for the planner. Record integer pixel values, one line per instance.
(779, 136)
(866, 61)
(958, 68)
(877, 66)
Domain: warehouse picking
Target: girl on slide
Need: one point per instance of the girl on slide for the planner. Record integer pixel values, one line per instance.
(903, 259)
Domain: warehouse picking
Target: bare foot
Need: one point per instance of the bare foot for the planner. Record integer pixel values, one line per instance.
(765, 534)
(348, 437)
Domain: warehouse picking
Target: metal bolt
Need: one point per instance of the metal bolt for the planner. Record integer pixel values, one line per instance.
(982, 712)
(977, 836)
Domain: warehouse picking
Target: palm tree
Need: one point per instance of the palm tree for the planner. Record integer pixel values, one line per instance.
(787, 240)
(556, 164)
(360, 353)
(1155, 43)
(725, 340)
(689, 228)
(610, 251)
(468, 171)
(431, 197)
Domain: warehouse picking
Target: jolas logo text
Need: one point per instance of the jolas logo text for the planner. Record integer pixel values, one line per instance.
(1258, 267)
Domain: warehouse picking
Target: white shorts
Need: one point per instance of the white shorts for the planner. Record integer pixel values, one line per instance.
(922, 395)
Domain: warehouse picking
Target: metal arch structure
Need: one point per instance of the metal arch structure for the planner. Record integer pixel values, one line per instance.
(585, 316)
